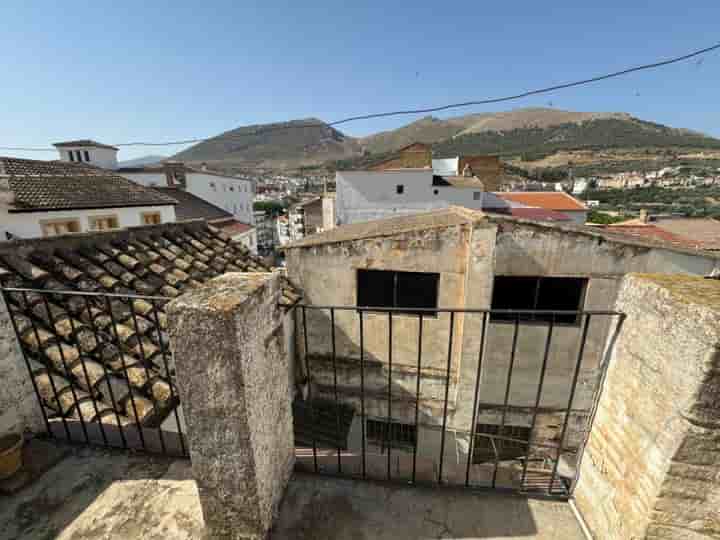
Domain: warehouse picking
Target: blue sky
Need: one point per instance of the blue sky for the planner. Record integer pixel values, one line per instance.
(123, 71)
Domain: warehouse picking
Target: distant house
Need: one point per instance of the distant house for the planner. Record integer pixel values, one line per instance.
(554, 201)
(190, 207)
(48, 198)
(314, 215)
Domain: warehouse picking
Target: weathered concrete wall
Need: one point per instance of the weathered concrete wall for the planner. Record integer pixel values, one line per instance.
(19, 408)
(651, 465)
(233, 377)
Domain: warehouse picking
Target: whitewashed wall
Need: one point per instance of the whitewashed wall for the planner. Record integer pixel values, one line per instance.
(363, 196)
(100, 157)
(27, 224)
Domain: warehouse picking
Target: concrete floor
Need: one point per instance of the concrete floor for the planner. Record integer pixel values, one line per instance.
(101, 494)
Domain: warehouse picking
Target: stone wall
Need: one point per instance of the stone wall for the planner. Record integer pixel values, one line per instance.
(233, 375)
(19, 409)
(651, 465)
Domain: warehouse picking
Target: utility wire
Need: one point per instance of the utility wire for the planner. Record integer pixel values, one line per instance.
(405, 112)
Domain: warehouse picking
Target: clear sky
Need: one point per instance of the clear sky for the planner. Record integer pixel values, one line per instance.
(123, 71)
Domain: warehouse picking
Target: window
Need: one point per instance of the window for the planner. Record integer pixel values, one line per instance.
(232, 188)
(151, 218)
(103, 223)
(212, 185)
(391, 434)
(60, 226)
(400, 189)
(78, 155)
(385, 288)
(550, 293)
(87, 156)
(477, 195)
(71, 155)
(435, 191)
(488, 448)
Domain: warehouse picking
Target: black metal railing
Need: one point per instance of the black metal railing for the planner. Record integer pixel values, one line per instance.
(101, 367)
(479, 398)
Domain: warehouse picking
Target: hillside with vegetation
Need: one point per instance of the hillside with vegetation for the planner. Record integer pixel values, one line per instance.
(700, 201)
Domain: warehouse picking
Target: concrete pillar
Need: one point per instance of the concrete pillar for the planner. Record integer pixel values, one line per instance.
(233, 378)
(651, 465)
(19, 408)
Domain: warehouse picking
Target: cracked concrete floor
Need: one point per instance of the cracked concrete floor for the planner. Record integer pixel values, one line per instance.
(103, 494)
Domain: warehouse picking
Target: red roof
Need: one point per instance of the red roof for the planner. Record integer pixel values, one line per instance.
(231, 227)
(540, 214)
(550, 200)
(653, 232)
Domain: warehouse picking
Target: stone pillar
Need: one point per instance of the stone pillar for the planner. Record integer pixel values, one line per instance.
(19, 408)
(651, 466)
(233, 378)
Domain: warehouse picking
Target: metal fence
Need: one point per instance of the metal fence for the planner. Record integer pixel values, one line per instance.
(460, 397)
(101, 367)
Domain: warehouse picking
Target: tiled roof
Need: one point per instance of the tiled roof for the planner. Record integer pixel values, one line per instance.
(56, 185)
(540, 214)
(653, 232)
(84, 142)
(705, 231)
(550, 200)
(232, 227)
(161, 260)
(191, 207)
(446, 217)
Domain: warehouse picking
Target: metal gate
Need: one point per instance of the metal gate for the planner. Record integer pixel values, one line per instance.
(101, 368)
(483, 399)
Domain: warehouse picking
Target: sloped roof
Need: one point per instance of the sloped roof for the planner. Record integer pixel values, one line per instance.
(83, 344)
(653, 232)
(191, 207)
(550, 200)
(446, 217)
(84, 142)
(705, 231)
(56, 185)
(540, 214)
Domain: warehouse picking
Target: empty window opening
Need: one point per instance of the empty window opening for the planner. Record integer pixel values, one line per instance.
(87, 155)
(151, 218)
(387, 288)
(60, 226)
(103, 223)
(400, 189)
(477, 195)
(488, 447)
(72, 155)
(78, 155)
(391, 434)
(538, 293)
(435, 191)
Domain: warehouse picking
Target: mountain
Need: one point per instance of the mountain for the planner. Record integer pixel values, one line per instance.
(296, 143)
(144, 160)
(525, 134)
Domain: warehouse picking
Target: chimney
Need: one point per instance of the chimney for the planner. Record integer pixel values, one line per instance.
(175, 174)
(644, 215)
(467, 170)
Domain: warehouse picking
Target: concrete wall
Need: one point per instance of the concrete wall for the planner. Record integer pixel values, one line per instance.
(28, 224)
(651, 464)
(367, 195)
(19, 409)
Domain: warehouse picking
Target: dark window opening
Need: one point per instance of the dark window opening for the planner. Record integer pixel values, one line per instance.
(386, 288)
(400, 189)
(391, 434)
(87, 155)
(538, 293)
(435, 191)
(487, 447)
(72, 156)
(78, 155)
(476, 195)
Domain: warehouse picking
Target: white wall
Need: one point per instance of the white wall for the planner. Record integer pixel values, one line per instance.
(101, 157)
(27, 224)
(365, 195)
(211, 188)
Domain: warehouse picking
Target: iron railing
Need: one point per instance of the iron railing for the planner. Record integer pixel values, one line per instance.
(101, 367)
(432, 401)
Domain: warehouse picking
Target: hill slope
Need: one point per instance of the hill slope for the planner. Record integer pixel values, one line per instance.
(286, 144)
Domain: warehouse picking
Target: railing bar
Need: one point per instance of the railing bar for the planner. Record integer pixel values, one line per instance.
(491, 311)
(113, 323)
(175, 401)
(507, 395)
(309, 383)
(27, 363)
(335, 385)
(543, 367)
(106, 373)
(417, 396)
(49, 370)
(389, 393)
(473, 425)
(576, 374)
(87, 378)
(362, 393)
(147, 373)
(447, 396)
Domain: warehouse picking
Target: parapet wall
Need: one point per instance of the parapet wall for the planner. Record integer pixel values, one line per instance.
(651, 465)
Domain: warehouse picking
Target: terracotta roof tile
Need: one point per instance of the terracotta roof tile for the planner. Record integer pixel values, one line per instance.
(550, 200)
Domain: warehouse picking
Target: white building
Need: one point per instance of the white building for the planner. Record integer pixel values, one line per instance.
(232, 194)
(48, 198)
(87, 151)
(367, 195)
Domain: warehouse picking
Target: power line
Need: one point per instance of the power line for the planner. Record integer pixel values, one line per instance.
(405, 112)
